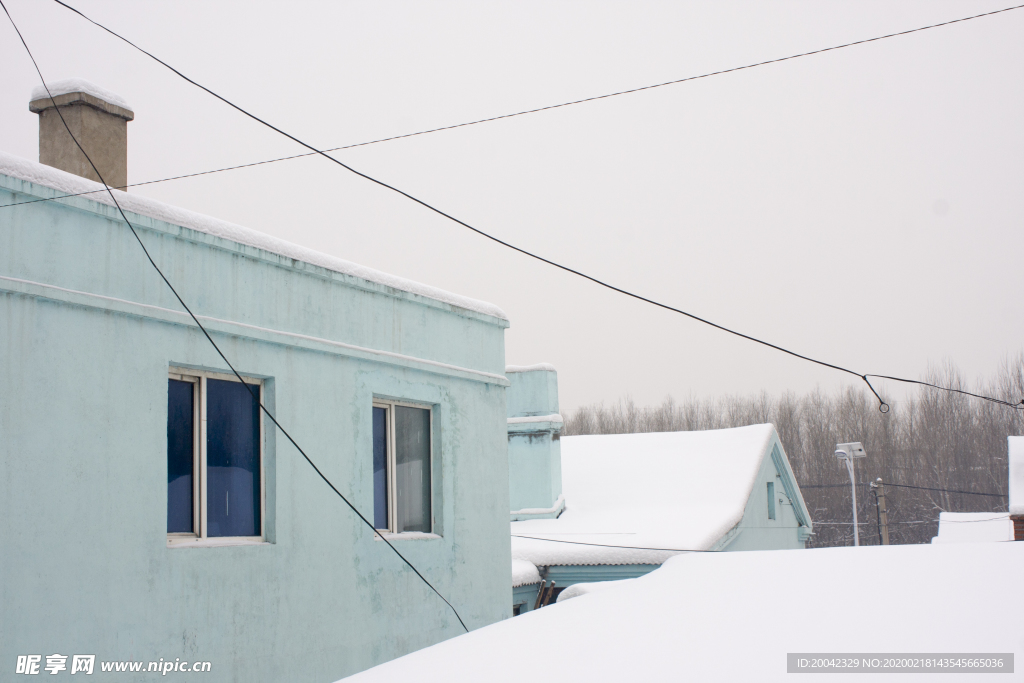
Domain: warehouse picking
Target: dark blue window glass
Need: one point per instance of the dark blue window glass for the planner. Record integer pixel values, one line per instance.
(232, 459)
(380, 468)
(180, 455)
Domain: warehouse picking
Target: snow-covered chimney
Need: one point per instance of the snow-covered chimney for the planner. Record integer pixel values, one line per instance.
(99, 121)
(1015, 449)
(534, 448)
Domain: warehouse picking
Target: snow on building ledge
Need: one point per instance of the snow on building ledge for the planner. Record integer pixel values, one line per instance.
(547, 367)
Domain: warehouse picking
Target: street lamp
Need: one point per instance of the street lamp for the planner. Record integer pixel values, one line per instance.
(847, 452)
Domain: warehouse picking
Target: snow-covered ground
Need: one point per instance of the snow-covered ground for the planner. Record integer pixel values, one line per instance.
(735, 616)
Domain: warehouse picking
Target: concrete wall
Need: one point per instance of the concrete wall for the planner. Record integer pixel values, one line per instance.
(87, 333)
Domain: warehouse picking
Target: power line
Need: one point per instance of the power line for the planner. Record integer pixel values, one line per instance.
(546, 108)
(882, 405)
(252, 393)
(626, 547)
(902, 486)
(926, 488)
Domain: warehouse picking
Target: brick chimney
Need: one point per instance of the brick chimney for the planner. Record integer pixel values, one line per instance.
(1015, 449)
(99, 121)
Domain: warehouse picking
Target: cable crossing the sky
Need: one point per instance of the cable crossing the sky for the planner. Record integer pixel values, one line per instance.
(882, 405)
(539, 109)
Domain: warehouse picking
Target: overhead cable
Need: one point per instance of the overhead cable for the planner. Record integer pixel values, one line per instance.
(882, 405)
(552, 106)
(181, 301)
(901, 486)
(603, 545)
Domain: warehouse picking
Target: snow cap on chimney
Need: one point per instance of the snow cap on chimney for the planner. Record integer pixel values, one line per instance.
(97, 118)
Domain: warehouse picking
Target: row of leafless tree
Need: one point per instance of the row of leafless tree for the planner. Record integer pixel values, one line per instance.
(935, 440)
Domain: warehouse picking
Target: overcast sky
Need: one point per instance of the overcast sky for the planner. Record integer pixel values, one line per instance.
(864, 206)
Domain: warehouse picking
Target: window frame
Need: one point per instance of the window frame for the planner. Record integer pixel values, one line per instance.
(392, 470)
(199, 533)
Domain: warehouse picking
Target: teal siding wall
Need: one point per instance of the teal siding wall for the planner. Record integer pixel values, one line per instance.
(525, 597)
(757, 531)
(87, 333)
(534, 446)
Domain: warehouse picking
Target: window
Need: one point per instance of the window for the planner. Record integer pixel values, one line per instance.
(214, 457)
(401, 467)
(771, 500)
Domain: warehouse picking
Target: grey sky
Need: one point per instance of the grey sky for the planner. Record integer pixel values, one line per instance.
(863, 206)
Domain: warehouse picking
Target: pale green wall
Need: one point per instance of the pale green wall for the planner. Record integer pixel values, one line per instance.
(83, 395)
(533, 392)
(534, 448)
(756, 531)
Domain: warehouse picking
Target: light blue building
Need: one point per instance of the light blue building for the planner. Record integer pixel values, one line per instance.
(151, 512)
(606, 507)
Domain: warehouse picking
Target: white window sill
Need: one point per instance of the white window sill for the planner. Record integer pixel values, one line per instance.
(217, 542)
(404, 536)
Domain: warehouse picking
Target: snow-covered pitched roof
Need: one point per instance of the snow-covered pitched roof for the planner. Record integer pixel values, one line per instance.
(1015, 445)
(64, 86)
(672, 490)
(735, 616)
(67, 183)
(974, 527)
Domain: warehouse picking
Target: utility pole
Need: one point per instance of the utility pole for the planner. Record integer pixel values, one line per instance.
(878, 514)
(882, 514)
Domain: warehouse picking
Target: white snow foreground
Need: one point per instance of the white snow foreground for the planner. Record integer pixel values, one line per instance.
(974, 527)
(735, 616)
(673, 490)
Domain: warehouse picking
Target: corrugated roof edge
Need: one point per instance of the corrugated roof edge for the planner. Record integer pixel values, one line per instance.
(67, 183)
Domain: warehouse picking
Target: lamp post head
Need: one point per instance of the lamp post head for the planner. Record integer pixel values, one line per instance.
(849, 451)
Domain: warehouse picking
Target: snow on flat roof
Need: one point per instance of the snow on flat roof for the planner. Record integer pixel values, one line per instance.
(530, 368)
(68, 183)
(1015, 445)
(673, 490)
(735, 616)
(974, 527)
(64, 86)
(524, 572)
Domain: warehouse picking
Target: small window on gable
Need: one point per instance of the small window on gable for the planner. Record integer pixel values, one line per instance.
(401, 467)
(771, 500)
(214, 457)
